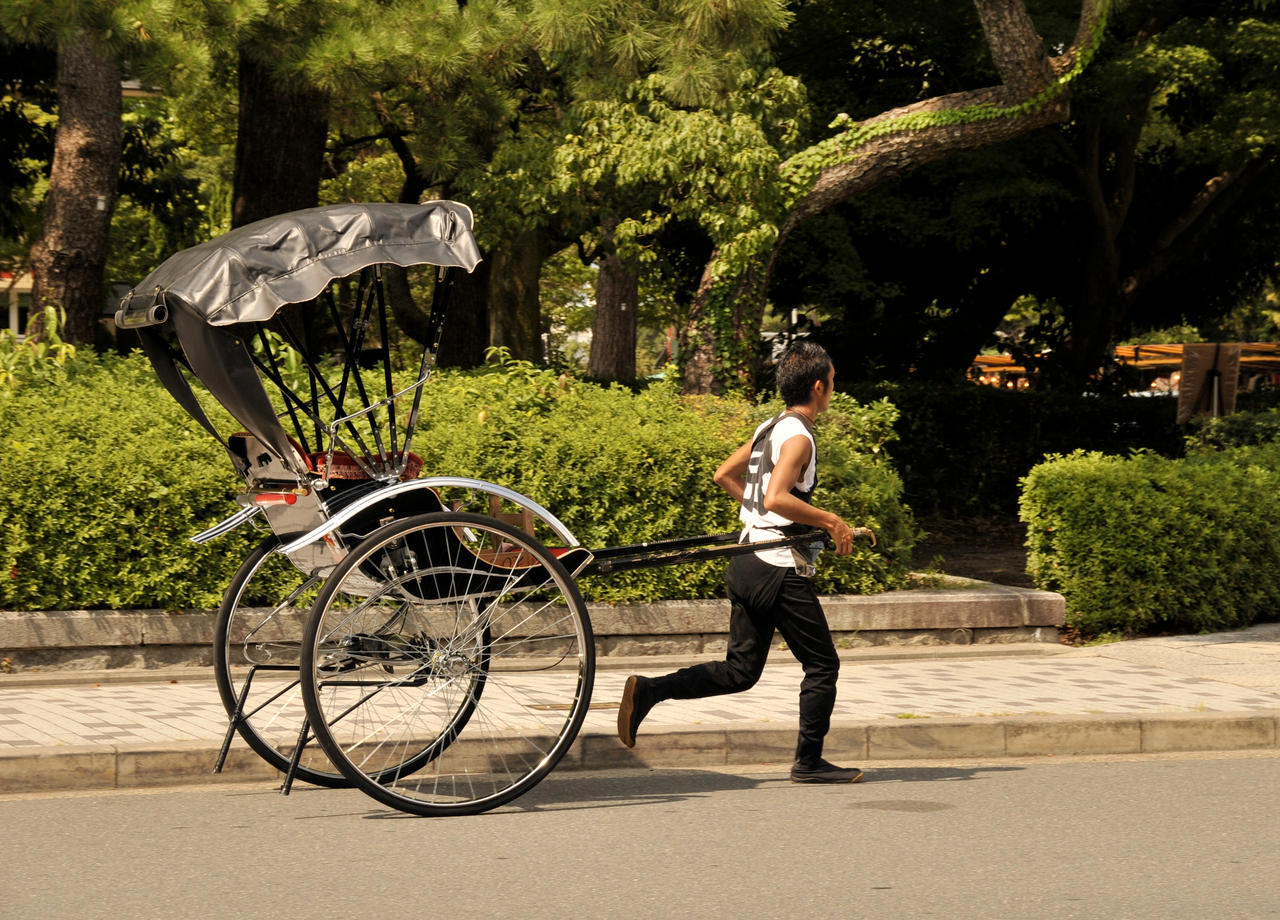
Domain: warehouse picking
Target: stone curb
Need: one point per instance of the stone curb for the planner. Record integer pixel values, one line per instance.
(958, 612)
(184, 763)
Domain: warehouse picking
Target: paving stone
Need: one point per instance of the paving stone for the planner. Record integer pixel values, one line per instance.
(1114, 699)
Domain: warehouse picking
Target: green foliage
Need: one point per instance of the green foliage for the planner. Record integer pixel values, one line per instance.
(121, 25)
(620, 468)
(1182, 333)
(26, 132)
(566, 293)
(1144, 544)
(165, 204)
(42, 359)
(856, 481)
(105, 478)
(655, 162)
(802, 170)
(691, 46)
(917, 275)
(1240, 429)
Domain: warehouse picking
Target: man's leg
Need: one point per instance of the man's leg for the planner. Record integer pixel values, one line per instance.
(753, 589)
(804, 627)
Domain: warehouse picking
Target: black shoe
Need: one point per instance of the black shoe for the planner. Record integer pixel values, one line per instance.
(637, 700)
(824, 772)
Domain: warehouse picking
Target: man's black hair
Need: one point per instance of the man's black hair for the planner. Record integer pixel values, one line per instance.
(802, 365)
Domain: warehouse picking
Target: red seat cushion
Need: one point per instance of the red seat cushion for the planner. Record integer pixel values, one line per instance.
(345, 467)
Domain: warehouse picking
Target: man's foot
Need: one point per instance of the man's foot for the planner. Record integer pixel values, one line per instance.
(637, 700)
(824, 772)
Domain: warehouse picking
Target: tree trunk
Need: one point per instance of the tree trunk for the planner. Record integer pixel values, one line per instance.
(613, 331)
(280, 141)
(515, 316)
(68, 260)
(722, 339)
(697, 340)
(466, 330)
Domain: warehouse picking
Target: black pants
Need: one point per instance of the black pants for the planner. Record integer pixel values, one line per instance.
(764, 598)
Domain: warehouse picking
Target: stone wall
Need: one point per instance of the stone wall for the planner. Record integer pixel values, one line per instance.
(960, 613)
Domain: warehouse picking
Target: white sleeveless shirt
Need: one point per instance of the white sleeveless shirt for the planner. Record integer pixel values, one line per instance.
(759, 524)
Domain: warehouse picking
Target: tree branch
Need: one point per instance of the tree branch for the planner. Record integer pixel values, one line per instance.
(1017, 49)
(412, 187)
(1026, 71)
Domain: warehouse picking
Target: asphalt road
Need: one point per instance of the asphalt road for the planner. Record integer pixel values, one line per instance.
(1188, 836)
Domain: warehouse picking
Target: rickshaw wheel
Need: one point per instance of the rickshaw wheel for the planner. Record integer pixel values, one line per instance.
(256, 653)
(256, 645)
(410, 628)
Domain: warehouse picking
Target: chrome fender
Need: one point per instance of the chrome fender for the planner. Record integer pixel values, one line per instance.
(430, 482)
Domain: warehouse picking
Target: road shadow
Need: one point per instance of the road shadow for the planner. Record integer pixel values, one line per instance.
(947, 774)
(575, 791)
(639, 788)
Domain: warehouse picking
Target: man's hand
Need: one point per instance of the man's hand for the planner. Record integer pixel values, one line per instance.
(841, 534)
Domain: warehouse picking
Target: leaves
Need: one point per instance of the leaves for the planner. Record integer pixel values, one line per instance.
(1143, 544)
(34, 359)
(120, 477)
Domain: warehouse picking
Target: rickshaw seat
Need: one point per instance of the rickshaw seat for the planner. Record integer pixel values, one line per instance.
(346, 468)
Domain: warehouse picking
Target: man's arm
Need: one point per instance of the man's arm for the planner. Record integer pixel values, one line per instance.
(732, 474)
(792, 459)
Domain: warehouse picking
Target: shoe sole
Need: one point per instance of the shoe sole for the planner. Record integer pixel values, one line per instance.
(814, 781)
(625, 709)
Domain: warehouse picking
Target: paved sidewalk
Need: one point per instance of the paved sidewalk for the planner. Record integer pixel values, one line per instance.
(1216, 692)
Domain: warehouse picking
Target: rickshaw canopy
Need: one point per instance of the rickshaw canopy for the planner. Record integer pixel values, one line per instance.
(209, 297)
(250, 273)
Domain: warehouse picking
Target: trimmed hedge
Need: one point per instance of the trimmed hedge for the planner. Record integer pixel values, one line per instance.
(106, 477)
(1145, 544)
(620, 467)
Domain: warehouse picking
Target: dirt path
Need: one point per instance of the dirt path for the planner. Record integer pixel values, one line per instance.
(990, 550)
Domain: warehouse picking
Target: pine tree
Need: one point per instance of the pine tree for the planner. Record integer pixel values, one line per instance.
(70, 253)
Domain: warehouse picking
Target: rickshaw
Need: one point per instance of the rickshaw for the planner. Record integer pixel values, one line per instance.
(421, 637)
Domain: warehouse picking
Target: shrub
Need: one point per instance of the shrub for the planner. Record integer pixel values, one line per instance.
(621, 468)
(1235, 430)
(1147, 544)
(42, 358)
(106, 477)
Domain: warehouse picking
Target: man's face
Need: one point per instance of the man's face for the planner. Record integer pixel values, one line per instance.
(825, 390)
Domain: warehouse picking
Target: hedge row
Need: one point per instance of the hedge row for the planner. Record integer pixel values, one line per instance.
(105, 478)
(1146, 544)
